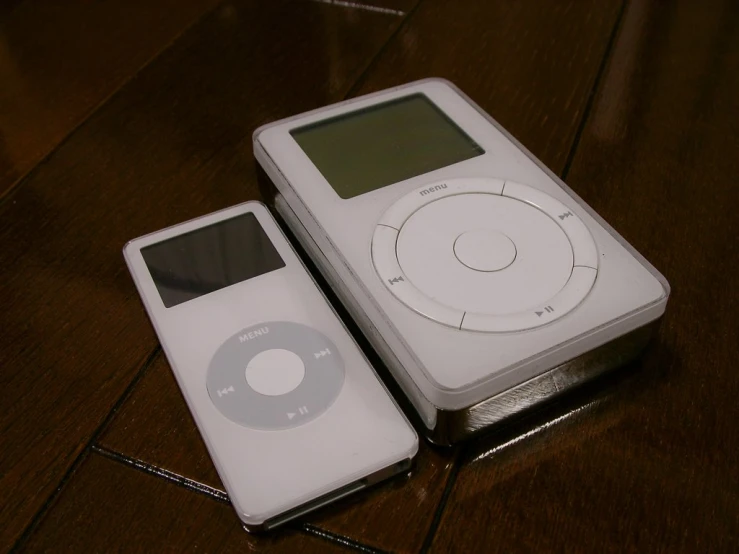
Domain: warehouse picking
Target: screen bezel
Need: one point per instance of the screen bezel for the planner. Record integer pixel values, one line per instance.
(147, 288)
(452, 126)
(298, 178)
(246, 219)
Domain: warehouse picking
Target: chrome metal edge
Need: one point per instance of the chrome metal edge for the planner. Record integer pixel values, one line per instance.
(457, 425)
(388, 472)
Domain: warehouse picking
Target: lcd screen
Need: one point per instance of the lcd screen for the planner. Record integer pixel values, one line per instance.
(205, 260)
(377, 146)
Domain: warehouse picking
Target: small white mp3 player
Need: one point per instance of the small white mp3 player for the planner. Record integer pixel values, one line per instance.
(485, 284)
(290, 410)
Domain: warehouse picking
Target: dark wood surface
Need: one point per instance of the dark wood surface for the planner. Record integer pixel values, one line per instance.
(160, 517)
(59, 62)
(149, 123)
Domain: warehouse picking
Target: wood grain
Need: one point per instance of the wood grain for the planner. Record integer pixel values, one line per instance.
(173, 144)
(59, 62)
(654, 470)
(155, 428)
(134, 512)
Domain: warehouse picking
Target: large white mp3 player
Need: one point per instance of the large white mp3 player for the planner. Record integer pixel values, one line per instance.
(485, 284)
(290, 410)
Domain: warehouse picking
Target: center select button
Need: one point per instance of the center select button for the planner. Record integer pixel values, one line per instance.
(484, 250)
(275, 372)
(275, 375)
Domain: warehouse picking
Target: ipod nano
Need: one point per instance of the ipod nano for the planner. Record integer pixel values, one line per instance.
(290, 410)
(486, 284)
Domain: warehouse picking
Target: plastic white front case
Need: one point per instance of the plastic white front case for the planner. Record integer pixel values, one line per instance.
(267, 473)
(454, 369)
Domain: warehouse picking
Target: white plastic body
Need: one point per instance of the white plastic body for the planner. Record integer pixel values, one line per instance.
(361, 436)
(441, 368)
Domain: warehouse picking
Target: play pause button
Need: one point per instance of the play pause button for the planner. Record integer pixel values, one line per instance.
(303, 410)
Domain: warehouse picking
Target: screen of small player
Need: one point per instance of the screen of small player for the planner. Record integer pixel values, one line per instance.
(208, 259)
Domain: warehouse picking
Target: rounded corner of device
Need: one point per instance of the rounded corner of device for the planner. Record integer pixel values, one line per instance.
(661, 301)
(441, 392)
(252, 524)
(258, 132)
(128, 248)
(414, 444)
(254, 205)
(666, 287)
(440, 81)
(662, 288)
(253, 519)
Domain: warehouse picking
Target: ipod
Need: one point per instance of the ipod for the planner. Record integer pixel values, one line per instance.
(290, 410)
(486, 284)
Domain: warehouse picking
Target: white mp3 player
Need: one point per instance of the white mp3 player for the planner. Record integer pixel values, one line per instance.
(484, 283)
(290, 410)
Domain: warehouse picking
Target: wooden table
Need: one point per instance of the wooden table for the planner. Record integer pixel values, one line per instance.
(119, 118)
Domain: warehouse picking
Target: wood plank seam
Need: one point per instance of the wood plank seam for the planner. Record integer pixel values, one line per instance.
(69, 474)
(451, 481)
(361, 6)
(594, 90)
(220, 496)
(339, 539)
(95, 109)
(151, 469)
